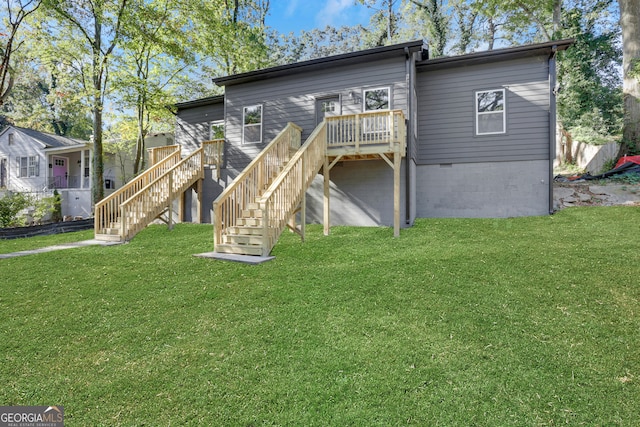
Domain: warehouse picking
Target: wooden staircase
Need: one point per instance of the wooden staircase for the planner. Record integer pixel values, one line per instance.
(252, 212)
(121, 215)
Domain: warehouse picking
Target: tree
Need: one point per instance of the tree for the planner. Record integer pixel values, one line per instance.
(153, 58)
(98, 24)
(630, 24)
(590, 99)
(436, 24)
(17, 11)
(44, 98)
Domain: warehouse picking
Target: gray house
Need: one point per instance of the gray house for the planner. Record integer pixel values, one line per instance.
(479, 135)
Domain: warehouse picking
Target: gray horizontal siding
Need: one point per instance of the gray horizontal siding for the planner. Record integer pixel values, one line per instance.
(446, 116)
(192, 125)
(292, 99)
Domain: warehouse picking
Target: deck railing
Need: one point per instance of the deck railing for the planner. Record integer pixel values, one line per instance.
(213, 153)
(144, 206)
(107, 210)
(360, 131)
(284, 195)
(250, 184)
(159, 153)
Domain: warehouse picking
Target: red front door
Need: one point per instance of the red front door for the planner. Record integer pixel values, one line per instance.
(60, 172)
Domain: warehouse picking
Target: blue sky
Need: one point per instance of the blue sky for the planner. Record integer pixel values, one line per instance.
(294, 15)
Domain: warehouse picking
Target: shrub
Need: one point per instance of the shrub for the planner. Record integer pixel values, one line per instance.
(10, 206)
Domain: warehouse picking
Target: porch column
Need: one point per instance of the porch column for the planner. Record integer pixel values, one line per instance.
(82, 166)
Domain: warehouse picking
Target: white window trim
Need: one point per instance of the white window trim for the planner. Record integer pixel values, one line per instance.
(31, 168)
(244, 126)
(503, 112)
(371, 89)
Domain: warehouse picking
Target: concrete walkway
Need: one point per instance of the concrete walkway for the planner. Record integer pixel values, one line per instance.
(81, 244)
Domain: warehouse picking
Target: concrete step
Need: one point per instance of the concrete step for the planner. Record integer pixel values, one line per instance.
(239, 249)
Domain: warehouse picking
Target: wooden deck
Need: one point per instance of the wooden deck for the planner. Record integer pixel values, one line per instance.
(252, 212)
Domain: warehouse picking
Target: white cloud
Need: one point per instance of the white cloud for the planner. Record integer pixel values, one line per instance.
(332, 11)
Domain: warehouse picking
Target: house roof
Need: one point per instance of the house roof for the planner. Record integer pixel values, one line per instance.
(48, 140)
(539, 49)
(217, 99)
(319, 63)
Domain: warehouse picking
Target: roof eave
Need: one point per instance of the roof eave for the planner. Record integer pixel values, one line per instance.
(343, 59)
(539, 49)
(217, 99)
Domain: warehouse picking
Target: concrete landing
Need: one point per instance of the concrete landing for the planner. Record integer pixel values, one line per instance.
(63, 246)
(245, 259)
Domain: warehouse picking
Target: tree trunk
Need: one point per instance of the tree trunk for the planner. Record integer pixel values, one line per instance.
(630, 24)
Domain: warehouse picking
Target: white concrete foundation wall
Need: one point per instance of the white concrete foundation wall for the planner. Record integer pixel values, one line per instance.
(483, 190)
(76, 202)
(361, 195)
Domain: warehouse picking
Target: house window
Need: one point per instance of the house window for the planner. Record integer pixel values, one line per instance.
(328, 106)
(252, 124)
(490, 112)
(11, 137)
(376, 99)
(28, 166)
(216, 130)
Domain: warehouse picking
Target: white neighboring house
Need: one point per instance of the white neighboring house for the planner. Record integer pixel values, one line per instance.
(37, 162)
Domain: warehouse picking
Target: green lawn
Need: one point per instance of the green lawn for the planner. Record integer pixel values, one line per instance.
(505, 322)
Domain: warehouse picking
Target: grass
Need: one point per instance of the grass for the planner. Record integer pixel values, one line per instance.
(486, 322)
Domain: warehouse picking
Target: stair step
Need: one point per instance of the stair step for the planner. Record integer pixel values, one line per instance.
(252, 213)
(239, 249)
(247, 231)
(251, 222)
(242, 239)
(107, 237)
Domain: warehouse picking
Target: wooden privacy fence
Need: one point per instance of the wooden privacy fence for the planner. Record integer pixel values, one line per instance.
(286, 193)
(107, 210)
(144, 206)
(253, 181)
(372, 128)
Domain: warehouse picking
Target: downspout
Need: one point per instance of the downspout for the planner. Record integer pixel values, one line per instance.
(552, 121)
(409, 133)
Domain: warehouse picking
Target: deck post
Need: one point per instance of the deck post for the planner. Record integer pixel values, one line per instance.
(169, 202)
(199, 208)
(326, 219)
(397, 162)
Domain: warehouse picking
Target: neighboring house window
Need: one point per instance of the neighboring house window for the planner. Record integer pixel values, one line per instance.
(377, 99)
(216, 130)
(10, 142)
(28, 166)
(490, 112)
(252, 124)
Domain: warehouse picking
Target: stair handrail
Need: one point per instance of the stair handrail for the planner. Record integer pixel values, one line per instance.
(368, 128)
(285, 193)
(159, 153)
(169, 184)
(107, 210)
(213, 154)
(246, 187)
